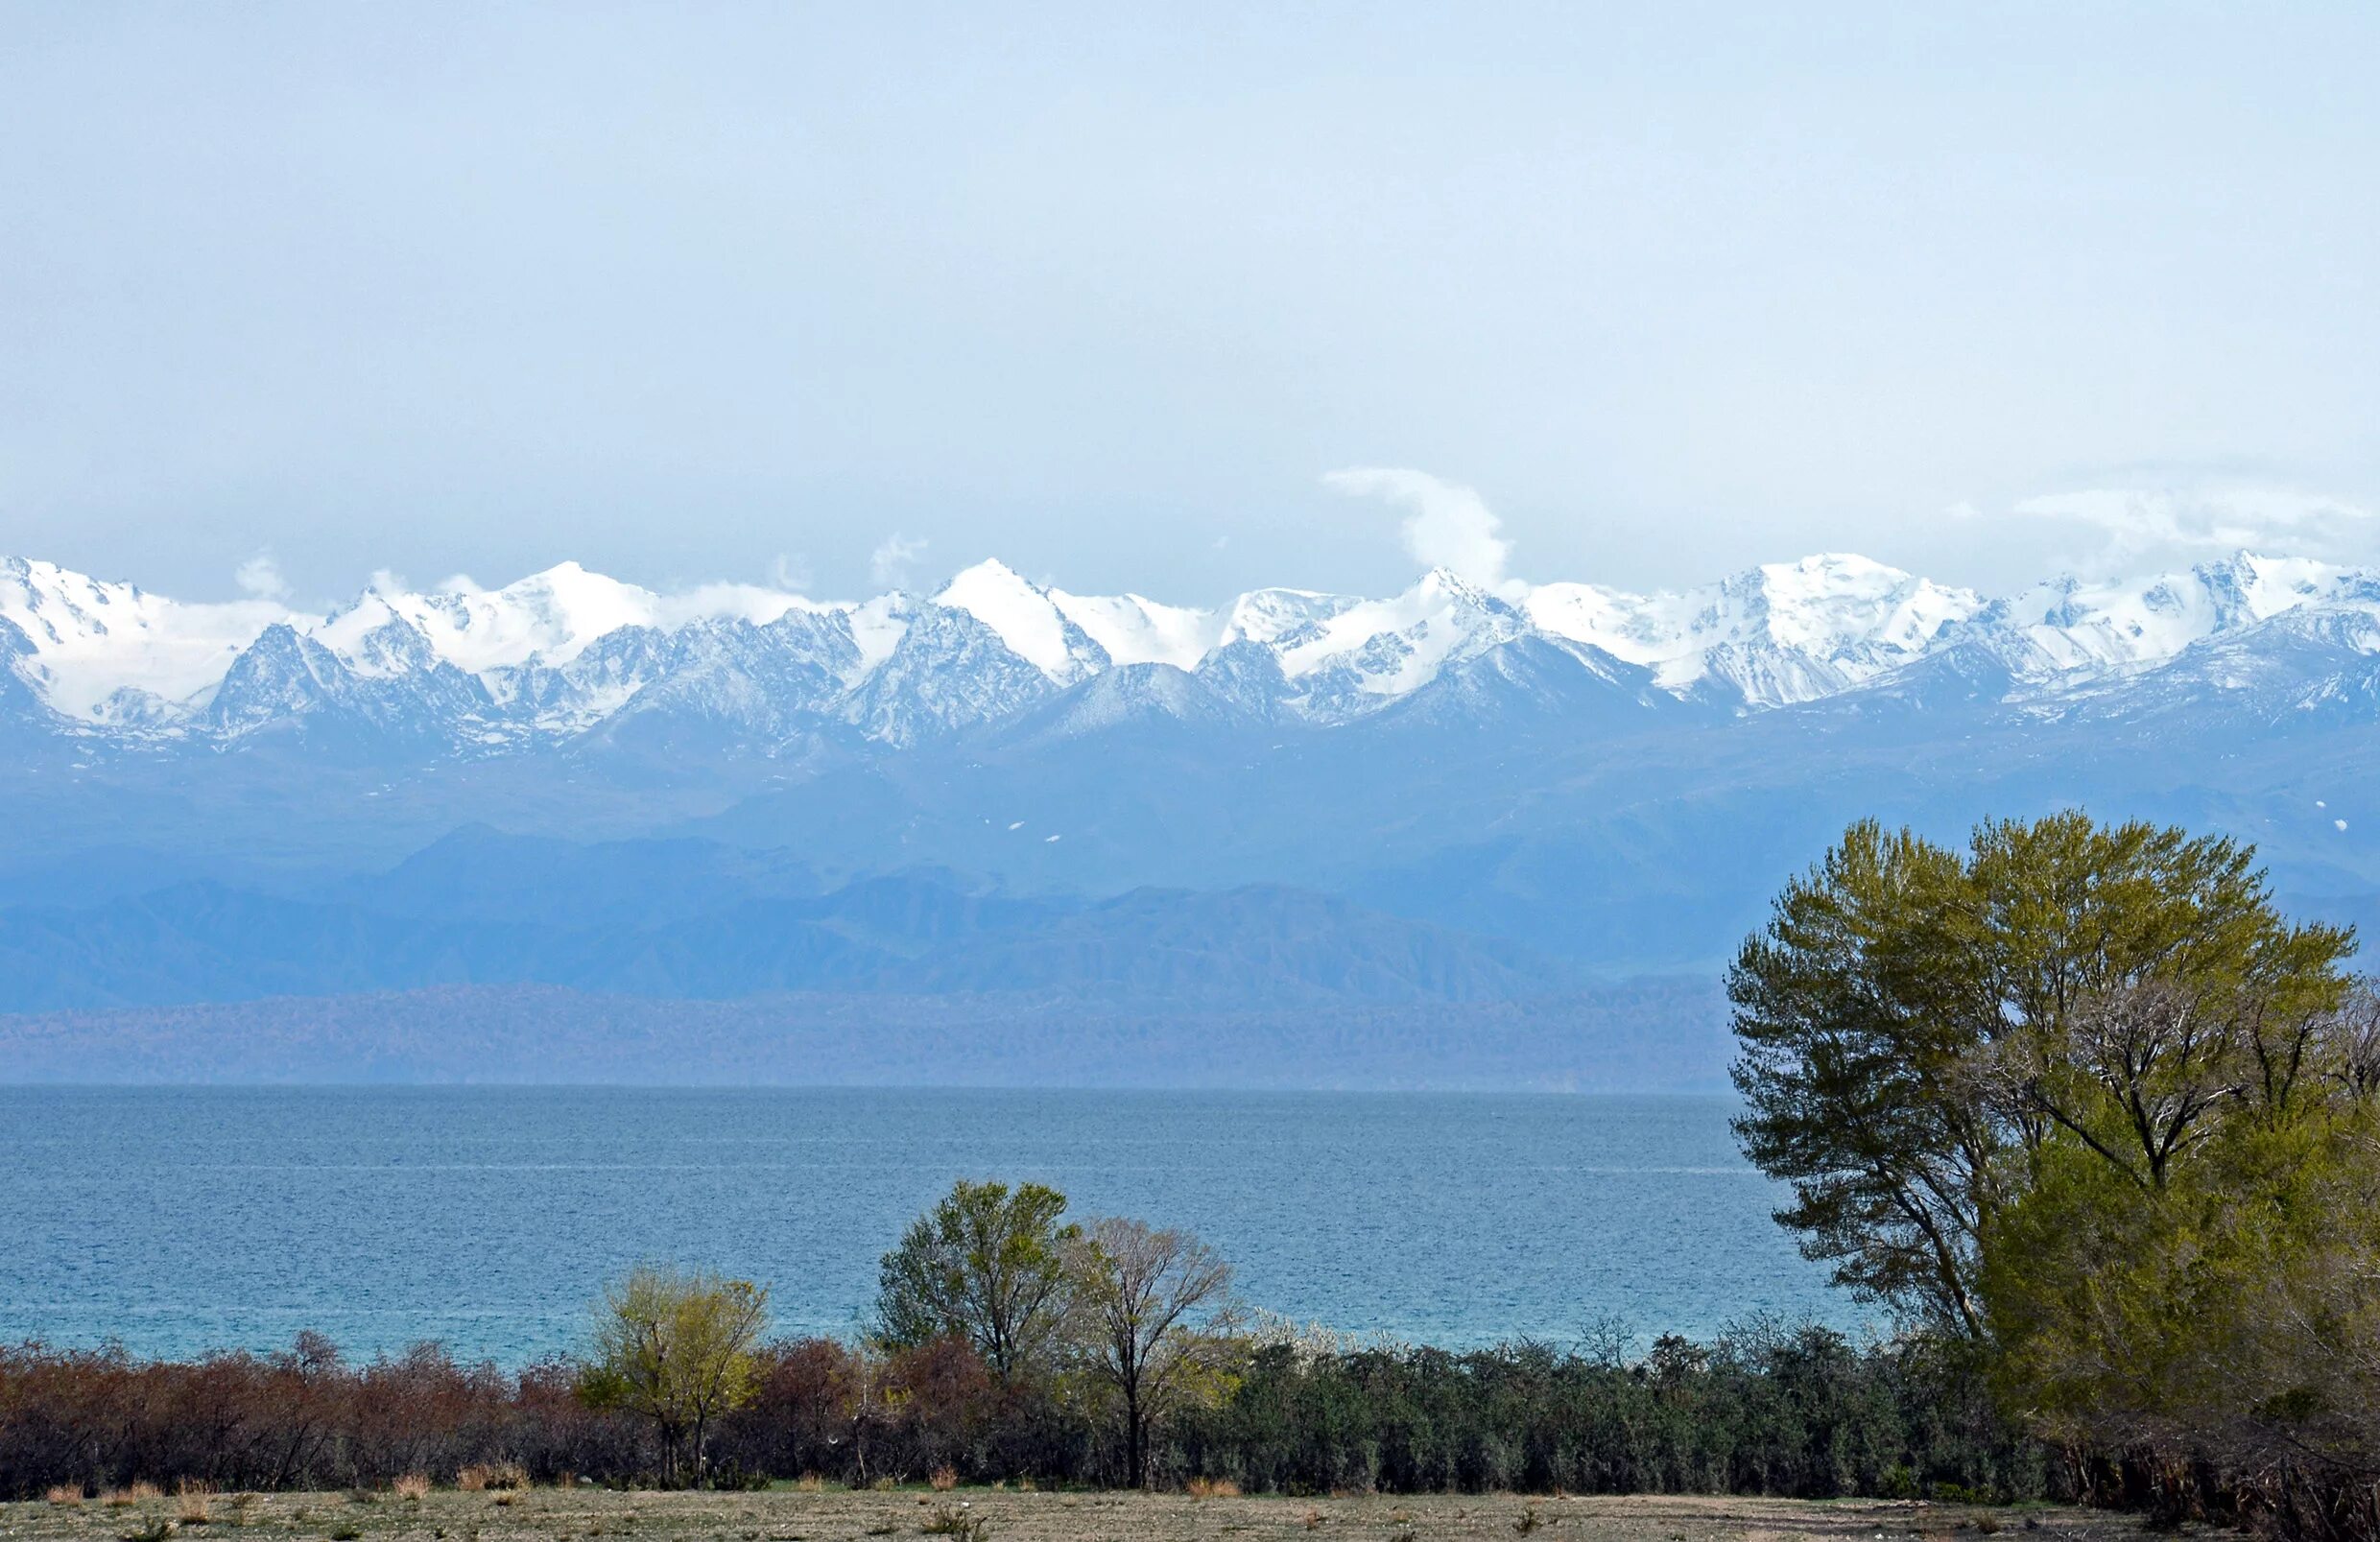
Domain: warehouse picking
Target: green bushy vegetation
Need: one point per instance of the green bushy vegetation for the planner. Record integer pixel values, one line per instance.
(2079, 1101)
(1793, 1412)
(1796, 1411)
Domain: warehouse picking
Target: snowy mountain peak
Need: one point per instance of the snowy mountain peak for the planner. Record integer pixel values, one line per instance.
(565, 650)
(1777, 633)
(92, 639)
(1841, 602)
(1027, 618)
(1069, 635)
(1269, 616)
(550, 616)
(1445, 581)
(1373, 648)
(2066, 626)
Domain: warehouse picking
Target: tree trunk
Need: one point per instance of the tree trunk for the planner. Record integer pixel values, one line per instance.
(670, 1434)
(1136, 1446)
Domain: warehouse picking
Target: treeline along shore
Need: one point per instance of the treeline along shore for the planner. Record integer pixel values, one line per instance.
(2092, 1124)
(1010, 1343)
(1792, 1413)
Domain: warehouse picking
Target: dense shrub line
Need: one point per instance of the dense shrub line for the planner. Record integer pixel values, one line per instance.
(1798, 1412)
(1770, 1410)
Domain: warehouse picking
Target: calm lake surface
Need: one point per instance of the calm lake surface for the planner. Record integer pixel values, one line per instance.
(182, 1220)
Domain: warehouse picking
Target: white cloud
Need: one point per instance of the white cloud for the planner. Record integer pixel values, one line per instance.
(791, 573)
(1446, 524)
(889, 564)
(754, 603)
(260, 577)
(2133, 523)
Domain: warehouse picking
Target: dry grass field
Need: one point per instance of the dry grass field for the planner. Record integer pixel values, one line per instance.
(992, 1515)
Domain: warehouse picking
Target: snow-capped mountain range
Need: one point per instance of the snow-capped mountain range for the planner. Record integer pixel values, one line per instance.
(198, 801)
(567, 651)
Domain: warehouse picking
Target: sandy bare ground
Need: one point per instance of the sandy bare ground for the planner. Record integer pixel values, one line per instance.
(836, 1515)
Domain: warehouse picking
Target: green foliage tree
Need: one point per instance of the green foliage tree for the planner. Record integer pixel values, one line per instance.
(676, 1348)
(2082, 1097)
(1848, 1008)
(1917, 1025)
(986, 1265)
(1155, 1324)
(2222, 1300)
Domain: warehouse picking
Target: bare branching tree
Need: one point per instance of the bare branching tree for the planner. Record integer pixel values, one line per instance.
(1156, 1319)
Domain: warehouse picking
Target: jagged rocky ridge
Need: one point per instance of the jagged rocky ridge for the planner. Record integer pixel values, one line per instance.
(569, 655)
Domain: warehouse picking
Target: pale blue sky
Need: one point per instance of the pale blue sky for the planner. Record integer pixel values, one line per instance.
(693, 291)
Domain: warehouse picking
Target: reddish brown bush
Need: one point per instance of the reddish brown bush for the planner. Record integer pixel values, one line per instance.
(99, 1419)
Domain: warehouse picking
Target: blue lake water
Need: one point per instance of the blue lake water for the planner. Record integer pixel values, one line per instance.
(181, 1219)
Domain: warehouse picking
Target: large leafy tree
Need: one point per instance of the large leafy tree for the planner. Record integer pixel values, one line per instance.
(2082, 1094)
(1919, 1026)
(1854, 1010)
(988, 1265)
(2141, 984)
(2195, 1261)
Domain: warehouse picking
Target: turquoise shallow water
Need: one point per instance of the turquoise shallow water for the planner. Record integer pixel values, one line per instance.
(181, 1219)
